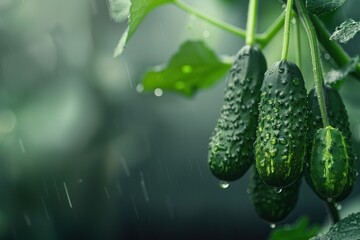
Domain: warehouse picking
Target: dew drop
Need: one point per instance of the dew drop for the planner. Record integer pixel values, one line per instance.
(282, 140)
(158, 92)
(206, 34)
(296, 82)
(272, 225)
(224, 184)
(273, 152)
(338, 207)
(278, 190)
(281, 70)
(139, 88)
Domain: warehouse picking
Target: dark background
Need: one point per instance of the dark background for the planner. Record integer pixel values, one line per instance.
(134, 165)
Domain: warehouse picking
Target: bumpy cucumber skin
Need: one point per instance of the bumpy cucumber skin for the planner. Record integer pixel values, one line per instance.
(281, 133)
(329, 162)
(231, 145)
(271, 204)
(338, 118)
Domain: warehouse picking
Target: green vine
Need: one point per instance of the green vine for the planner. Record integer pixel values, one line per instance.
(286, 41)
(315, 59)
(251, 22)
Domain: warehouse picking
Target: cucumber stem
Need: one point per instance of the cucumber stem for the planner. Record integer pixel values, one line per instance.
(333, 212)
(264, 38)
(286, 41)
(315, 58)
(251, 22)
(216, 22)
(298, 41)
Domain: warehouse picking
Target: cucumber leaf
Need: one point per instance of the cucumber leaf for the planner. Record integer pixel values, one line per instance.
(335, 77)
(119, 9)
(320, 7)
(194, 66)
(346, 31)
(346, 229)
(138, 10)
(298, 231)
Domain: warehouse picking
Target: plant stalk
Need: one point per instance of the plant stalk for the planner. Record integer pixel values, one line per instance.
(286, 41)
(333, 212)
(315, 58)
(251, 22)
(216, 22)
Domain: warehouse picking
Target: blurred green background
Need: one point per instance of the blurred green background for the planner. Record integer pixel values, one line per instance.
(84, 155)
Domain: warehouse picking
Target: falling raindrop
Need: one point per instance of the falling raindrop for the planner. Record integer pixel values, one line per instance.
(224, 184)
(128, 73)
(143, 186)
(125, 166)
(158, 92)
(67, 194)
(56, 189)
(278, 190)
(106, 192)
(45, 208)
(272, 225)
(27, 220)
(22, 146)
(135, 208)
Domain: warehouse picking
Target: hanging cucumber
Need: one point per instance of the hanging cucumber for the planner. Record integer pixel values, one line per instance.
(281, 133)
(231, 145)
(338, 118)
(272, 204)
(329, 162)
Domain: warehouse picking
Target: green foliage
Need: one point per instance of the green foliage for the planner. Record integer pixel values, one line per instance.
(119, 9)
(320, 7)
(329, 163)
(195, 66)
(231, 146)
(298, 231)
(346, 31)
(280, 144)
(138, 10)
(272, 204)
(346, 229)
(336, 77)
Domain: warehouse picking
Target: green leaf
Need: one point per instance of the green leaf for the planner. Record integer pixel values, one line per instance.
(138, 10)
(193, 67)
(299, 231)
(335, 77)
(346, 229)
(119, 9)
(345, 31)
(320, 7)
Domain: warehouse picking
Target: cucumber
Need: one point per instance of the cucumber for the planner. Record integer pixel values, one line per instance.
(338, 118)
(231, 145)
(281, 133)
(329, 162)
(271, 204)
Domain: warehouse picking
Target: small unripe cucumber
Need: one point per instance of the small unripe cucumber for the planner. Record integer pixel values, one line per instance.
(272, 204)
(329, 162)
(231, 145)
(281, 133)
(338, 118)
